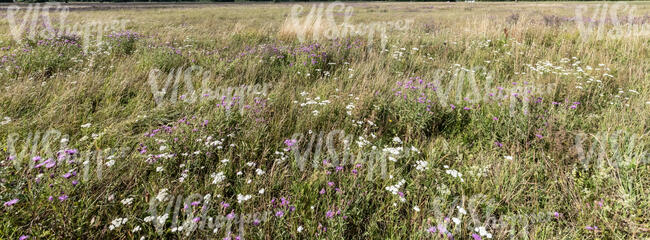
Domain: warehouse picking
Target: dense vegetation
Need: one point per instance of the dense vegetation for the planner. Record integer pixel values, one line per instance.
(473, 121)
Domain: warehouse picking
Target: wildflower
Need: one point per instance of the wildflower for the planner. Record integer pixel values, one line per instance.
(289, 143)
(217, 177)
(63, 197)
(6, 120)
(110, 163)
(300, 228)
(162, 195)
(243, 198)
(476, 236)
(127, 201)
(416, 209)
(279, 214)
(421, 165)
(481, 231)
(461, 210)
(87, 125)
(508, 157)
(118, 222)
(11, 202)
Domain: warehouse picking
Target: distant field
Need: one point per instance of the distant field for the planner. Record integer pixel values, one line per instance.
(325, 121)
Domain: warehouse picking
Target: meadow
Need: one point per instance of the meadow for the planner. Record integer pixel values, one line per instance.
(525, 120)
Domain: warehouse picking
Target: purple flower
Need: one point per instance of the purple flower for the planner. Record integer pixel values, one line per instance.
(50, 163)
(431, 229)
(11, 202)
(279, 214)
(476, 236)
(322, 191)
(63, 197)
(330, 184)
(23, 237)
(289, 143)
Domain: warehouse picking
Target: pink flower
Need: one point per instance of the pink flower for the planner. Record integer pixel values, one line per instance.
(322, 191)
(476, 236)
